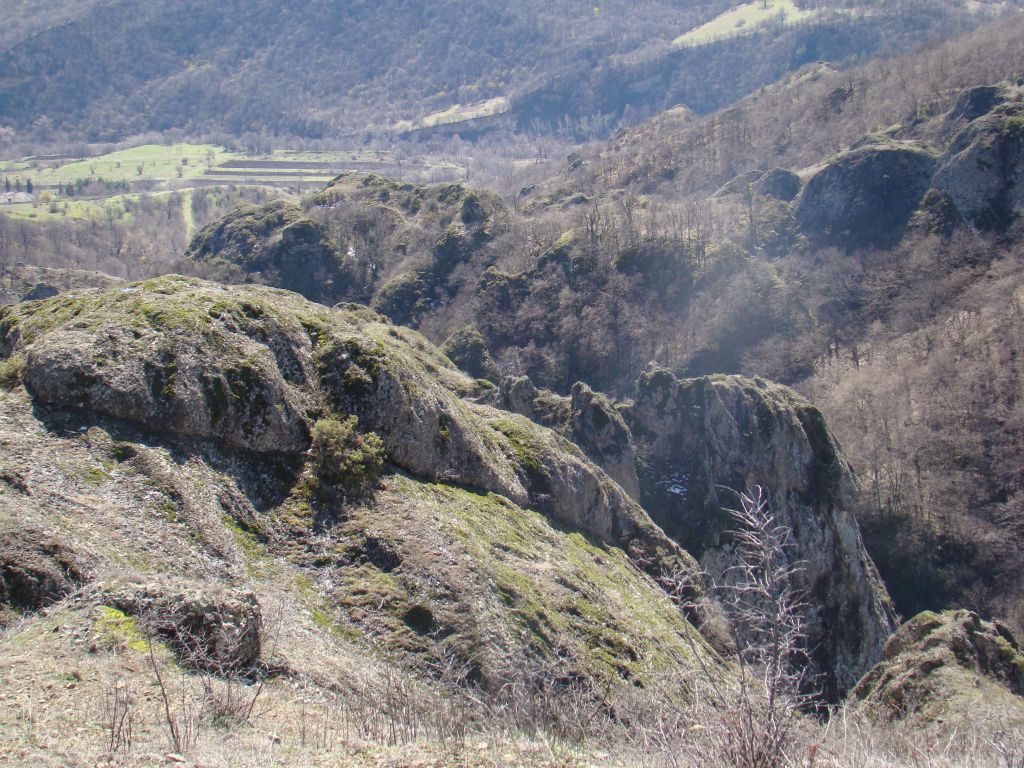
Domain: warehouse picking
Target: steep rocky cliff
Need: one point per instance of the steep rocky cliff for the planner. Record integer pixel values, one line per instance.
(684, 448)
(699, 441)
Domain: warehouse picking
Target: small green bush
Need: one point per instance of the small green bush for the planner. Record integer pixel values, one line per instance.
(10, 371)
(342, 458)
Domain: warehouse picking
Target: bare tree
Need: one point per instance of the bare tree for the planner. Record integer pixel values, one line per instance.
(751, 719)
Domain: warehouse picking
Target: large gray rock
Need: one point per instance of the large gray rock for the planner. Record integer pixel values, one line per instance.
(866, 195)
(173, 357)
(972, 103)
(276, 244)
(983, 170)
(701, 440)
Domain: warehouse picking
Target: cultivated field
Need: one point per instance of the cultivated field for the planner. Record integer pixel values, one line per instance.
(176, 165)
(107, 185)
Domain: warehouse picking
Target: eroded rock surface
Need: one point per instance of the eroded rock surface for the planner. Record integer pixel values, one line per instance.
(210, 627)
(36, 570)
(700, 440)
(983, 170)
(867, 194)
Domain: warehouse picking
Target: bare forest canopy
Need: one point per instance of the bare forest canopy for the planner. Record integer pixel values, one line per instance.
(109, 69)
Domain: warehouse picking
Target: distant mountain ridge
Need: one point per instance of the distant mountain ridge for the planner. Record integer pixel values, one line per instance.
(364, 68)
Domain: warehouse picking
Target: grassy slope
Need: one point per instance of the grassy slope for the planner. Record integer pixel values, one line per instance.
(744, 18)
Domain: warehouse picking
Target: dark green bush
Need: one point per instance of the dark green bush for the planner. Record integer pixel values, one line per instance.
(342, 458)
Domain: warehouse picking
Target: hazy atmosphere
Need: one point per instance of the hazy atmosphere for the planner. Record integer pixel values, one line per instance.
(563, 384)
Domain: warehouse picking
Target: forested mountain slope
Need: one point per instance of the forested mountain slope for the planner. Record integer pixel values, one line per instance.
(114, 68)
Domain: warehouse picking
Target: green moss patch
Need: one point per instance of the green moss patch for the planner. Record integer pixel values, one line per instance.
(118, 631)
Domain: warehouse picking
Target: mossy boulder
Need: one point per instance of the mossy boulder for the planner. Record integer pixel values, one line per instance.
(982, 172)
(978, 101)
(174, 355)
(866, 195)
(405, 298)
(699, 441)
(938, 666)
(364, 238)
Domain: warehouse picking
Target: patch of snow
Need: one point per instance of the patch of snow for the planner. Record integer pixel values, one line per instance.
(675, 484)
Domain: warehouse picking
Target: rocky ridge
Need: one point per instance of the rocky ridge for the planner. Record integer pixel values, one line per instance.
(686, 448)
(941, 668)
(481, 525)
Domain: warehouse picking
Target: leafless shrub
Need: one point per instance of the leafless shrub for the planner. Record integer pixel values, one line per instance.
(759, 714)
(219, 682)
(181, 711)
(1008, 743)
(751, 717)
(119, 715)
(546, 699)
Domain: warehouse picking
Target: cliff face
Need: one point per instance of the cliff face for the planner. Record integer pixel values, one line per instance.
(983, 169)
(699, 441)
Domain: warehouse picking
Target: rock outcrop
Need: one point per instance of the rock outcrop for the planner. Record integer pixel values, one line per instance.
(598, 428)
(364, 238)
(35, 570)
(194, 363)
(211, 628)
(249, 368)
(779, 183)
(978, 101)
(867, 194)
(982, 172)
(700, 440)
(468, 350)
(491, 545)
(939, 666)
(275, 244)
